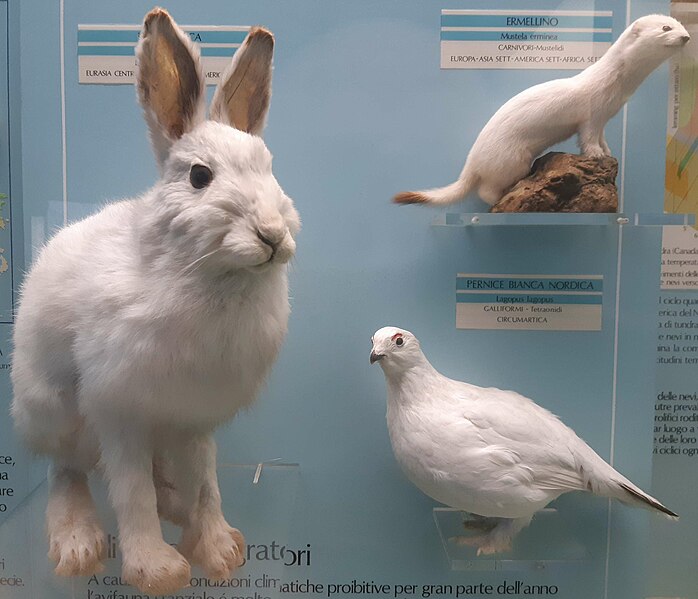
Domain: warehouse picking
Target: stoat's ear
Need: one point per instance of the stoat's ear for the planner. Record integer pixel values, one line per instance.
(636, 28)
(242, 97)
(170, 81)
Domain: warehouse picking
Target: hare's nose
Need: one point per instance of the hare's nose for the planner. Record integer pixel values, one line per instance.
(272, 243)
(271, 232)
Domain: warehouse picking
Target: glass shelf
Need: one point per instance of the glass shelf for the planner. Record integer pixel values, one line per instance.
(489, 219)
(547, 541)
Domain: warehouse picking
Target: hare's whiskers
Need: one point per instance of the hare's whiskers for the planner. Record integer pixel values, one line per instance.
(198, 262)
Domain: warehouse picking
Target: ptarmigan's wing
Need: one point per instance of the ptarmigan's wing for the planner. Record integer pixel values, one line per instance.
(557, 459)
(517, 430)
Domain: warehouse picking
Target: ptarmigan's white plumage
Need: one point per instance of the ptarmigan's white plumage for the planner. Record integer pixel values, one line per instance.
(483, 450)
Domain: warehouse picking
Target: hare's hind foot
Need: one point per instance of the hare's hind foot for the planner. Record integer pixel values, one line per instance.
(214, 545)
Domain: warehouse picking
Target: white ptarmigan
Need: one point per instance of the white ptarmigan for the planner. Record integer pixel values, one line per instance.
(486, 451)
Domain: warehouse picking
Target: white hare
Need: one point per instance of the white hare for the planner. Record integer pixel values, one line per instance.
(144, 327)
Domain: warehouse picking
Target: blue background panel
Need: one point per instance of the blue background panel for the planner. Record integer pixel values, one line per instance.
(360, 111)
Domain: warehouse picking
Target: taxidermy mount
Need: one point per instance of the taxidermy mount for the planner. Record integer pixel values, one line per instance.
(486, 451)
(144, 327)
(551, 112)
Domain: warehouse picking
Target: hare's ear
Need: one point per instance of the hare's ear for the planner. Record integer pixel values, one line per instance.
(242, 97)
(170, 81)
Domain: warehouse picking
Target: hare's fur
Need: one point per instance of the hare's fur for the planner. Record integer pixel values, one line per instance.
(145, 326)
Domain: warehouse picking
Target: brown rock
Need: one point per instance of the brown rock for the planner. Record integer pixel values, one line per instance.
(560, 182)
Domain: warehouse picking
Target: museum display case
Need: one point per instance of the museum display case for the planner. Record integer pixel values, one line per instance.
(593, 315)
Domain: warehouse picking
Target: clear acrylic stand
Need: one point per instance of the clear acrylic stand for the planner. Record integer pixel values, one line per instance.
(547, 541)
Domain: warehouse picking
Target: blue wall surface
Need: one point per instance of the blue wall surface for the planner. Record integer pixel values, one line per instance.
(360, 111)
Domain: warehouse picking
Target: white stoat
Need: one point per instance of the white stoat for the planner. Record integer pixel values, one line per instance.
(551, 112)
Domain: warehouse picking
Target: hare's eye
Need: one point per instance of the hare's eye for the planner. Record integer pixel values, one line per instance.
(200, 176)
(666, 28)
(399, 341)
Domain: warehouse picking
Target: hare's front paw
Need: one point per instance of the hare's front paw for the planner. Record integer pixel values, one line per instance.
(76, 548)
(217, 547)
(155, 568)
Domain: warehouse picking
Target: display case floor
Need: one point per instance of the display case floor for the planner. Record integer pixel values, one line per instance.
(547, 541)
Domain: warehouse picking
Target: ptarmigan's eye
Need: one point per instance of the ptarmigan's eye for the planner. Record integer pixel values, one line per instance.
(666, 28)
(399, 341)
(200, 176)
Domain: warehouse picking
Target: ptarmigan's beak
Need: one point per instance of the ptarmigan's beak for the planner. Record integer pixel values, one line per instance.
(375, 357)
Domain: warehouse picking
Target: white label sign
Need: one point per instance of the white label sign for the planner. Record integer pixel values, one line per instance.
(106, 52)
(523, 39)
(529, 302)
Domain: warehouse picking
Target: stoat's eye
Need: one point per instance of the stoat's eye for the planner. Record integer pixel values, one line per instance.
(399, 341)
(666, 28)
(200, 176)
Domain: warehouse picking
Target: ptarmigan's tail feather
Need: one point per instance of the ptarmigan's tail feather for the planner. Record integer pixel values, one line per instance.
(616, 486)
(601, 478)
(636, 496)
(441, 195)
